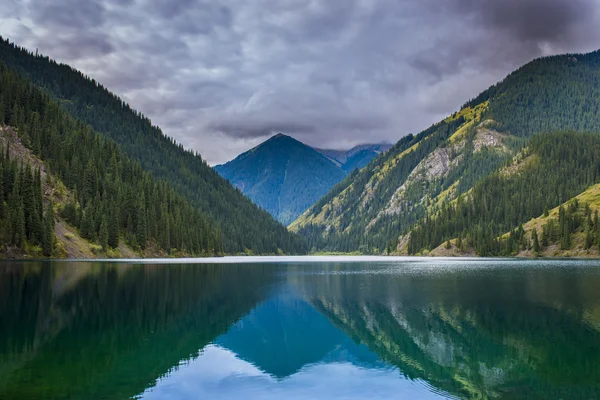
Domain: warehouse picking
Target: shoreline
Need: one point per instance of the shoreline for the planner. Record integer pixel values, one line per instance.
(298, 259)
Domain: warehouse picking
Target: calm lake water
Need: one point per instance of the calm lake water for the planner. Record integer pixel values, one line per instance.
(300, 328)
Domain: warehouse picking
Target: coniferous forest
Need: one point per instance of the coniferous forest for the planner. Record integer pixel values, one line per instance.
(113, 197)
(241, 225)
(23, 217)
(554, 168)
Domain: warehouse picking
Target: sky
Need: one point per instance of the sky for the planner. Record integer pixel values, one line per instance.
(221, 76)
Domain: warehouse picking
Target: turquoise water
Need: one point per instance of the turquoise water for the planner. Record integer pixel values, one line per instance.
(300, 328)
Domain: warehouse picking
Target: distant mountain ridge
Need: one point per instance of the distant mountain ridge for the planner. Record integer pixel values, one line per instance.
(286, 177)
(357, 157)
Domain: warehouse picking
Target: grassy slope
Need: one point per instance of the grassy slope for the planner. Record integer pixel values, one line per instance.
(591, 196)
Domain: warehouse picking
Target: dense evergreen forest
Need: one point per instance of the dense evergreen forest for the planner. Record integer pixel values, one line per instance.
(559, 93)
(553, 169)
(546, 95)
(244, 226)
(22, 216)
(114, 197)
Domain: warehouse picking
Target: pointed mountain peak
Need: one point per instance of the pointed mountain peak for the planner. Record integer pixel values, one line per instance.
(280, 136)
(280, 140)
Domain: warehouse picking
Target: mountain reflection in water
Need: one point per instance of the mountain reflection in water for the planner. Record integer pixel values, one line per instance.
(423, 329)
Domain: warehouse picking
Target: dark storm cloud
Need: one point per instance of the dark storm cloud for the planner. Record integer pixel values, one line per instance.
(222, 75)
(507, 32)
(531, 20)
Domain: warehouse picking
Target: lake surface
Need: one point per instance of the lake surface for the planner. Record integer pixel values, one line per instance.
(300, 328)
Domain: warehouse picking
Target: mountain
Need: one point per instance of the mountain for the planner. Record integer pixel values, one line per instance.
(243, 225)
(549, 171)
(285, 177)
(375, 209)
(569, 230)
(64, 188)
(357, 157)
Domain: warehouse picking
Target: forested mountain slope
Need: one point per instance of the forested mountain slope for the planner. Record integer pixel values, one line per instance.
(243, 225)
(550, 170)
(283, 176)
(370, 210)
(106, 195)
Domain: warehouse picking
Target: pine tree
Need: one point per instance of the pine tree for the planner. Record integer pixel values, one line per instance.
(113, 227)
(545, 235)
(103, 235)
(88, 225)
(141, 229)
(20, 234)
(536, 243)
(589, 238)
(48, 238)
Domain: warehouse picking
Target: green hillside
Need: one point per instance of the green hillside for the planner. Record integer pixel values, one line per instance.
(283, 176)
(114, 197)
(243, 225)
(550, 170)
(374, 208)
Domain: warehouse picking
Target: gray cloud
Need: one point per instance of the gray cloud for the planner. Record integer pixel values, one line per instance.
(531, 20)
(222, 75)
(69, 14)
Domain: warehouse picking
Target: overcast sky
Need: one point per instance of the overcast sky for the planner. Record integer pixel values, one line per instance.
(222, 75)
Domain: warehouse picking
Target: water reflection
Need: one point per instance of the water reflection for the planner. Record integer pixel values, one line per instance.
(104, 331)
(506, 332)
(477, 329)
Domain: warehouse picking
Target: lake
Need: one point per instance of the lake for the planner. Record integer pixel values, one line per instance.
(300, 328)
